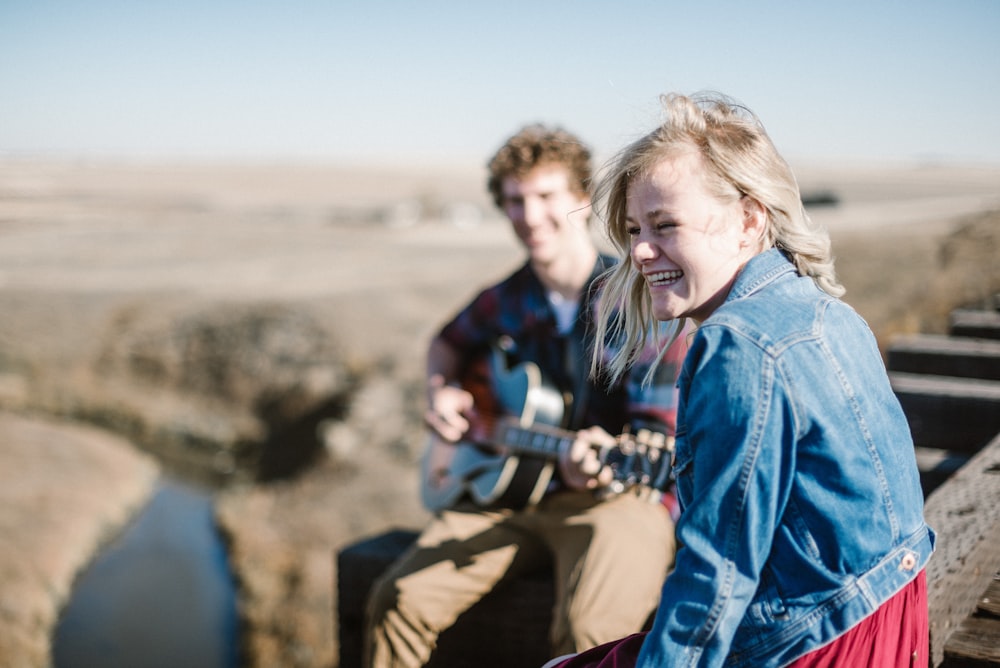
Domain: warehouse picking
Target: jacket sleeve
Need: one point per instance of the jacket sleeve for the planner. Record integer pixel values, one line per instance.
(733, 464)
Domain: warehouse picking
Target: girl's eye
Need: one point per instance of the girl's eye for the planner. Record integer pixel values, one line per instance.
(631, 230)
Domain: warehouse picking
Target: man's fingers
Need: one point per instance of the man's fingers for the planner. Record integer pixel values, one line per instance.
(450, 429)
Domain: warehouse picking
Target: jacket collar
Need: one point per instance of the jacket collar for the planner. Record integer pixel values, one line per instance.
(759, 271)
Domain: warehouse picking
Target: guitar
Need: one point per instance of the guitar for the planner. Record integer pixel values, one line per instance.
(509, 460)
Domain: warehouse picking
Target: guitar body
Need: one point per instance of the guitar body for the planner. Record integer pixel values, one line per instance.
(512, 446)
(479, 467)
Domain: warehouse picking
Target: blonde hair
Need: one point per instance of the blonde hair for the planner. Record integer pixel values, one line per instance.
(739, 159)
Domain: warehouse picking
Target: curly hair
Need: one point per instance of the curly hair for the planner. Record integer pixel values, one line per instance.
(537, 145)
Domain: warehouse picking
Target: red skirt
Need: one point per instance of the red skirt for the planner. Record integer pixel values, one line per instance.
(897, 635)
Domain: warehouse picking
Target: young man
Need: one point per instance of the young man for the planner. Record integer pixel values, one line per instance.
(611, 549)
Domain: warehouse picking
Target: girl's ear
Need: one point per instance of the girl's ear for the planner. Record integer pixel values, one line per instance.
(754, 220)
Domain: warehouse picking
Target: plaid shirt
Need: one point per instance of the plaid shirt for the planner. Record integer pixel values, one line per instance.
(517, 313)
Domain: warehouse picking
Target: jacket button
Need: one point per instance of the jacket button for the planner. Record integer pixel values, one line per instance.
(908, 562)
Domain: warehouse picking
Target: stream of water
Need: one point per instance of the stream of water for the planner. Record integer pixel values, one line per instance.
(160, 595)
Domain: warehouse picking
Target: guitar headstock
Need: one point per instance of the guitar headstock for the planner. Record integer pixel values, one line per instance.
(644, 458)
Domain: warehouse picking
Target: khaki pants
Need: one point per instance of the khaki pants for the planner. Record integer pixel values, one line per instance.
(610, 558)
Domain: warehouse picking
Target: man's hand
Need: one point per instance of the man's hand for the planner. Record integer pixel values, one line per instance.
(579, 464)
(448, 411)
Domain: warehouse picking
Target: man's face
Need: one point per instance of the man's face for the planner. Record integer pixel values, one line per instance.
(544, 210)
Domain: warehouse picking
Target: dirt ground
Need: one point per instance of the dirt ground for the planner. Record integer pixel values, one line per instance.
(380, 256)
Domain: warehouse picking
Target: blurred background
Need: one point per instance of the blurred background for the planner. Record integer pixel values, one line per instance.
(228, 230)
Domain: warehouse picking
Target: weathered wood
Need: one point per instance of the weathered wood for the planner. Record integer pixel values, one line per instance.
(936, 466)
(959, 414)
(975, 644)
(960, 357)
(965, 513)
(989, 602)
(976, 323)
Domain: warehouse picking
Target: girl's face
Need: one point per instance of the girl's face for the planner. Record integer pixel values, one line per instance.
(687, 243)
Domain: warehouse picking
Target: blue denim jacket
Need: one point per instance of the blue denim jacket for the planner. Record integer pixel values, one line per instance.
(802, 510)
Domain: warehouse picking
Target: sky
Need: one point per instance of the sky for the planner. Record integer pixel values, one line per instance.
(430, 81)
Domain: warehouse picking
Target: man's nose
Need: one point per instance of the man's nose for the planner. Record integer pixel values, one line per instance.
(534, 211)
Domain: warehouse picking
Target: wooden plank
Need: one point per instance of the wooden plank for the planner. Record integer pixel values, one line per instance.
(965, 513)
(975, 644)
(960, 357)
(974, 322)
(989, 602)
(936, 466)
(959, 414)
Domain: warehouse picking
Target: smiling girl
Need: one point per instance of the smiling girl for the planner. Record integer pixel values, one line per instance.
(801, 537)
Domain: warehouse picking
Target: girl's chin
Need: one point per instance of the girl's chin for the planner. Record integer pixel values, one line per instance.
(666, 312)
(664, 316)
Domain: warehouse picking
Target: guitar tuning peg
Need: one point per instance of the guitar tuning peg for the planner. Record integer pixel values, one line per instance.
(616, 487)
(506, 344)
(642, 438)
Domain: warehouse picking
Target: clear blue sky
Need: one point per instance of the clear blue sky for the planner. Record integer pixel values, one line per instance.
(428, 80)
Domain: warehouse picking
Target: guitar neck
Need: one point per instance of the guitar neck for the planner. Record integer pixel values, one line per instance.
(536, 440)
(643, 459)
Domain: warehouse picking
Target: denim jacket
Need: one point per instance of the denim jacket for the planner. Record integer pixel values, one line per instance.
(802, 511)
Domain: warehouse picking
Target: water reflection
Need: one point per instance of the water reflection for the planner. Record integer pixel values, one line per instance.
(160, 595)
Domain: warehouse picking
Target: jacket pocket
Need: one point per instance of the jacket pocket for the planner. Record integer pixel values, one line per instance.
(767, 606)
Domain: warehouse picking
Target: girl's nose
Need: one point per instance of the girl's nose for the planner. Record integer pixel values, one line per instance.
(643, 251)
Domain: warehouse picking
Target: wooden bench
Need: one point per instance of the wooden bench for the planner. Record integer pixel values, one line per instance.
(956, 417)
(512, 622)
(965, 513)
(976, 323)
(976, 643)
(955, 414)
(949, 389)
(956, 356)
